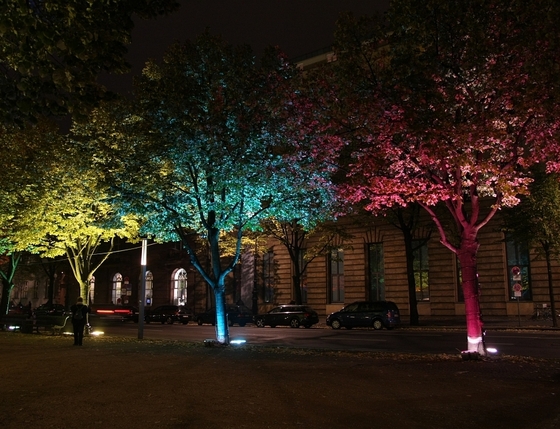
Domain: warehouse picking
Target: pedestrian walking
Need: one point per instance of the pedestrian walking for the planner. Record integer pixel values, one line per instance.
(79, 320)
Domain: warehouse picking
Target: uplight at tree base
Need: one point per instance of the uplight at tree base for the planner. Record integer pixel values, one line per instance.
(476, 345)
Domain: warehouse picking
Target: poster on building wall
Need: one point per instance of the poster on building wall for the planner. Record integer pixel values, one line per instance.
(516, 278)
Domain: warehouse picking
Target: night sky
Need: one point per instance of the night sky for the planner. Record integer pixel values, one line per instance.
(298, 27)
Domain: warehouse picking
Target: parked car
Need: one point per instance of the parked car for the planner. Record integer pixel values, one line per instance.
(375, 314)
(168, 314)
(288, 315)
(18, 309)
(51, 310)
(237, 315)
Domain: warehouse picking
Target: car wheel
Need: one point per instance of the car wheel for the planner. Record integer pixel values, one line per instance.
(377, 324)
(185, 323)
(260, 323)
(230, 323)
(169, 321)
(199, 321)
(307, 326)
(294, 323)
(335, 324)
(242, 324)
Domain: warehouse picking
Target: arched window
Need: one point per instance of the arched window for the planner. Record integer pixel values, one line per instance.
(91, 289)
(149, 288)
(116, 292)
(179, 284)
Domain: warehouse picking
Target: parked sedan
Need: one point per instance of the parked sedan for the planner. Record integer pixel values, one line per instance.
(237, 314)
(168, 314)
(288, 315)
(375, 314)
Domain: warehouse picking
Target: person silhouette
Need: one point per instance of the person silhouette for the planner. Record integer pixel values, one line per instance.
(79, 320)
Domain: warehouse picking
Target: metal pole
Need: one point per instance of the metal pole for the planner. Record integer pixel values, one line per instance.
(142, 291)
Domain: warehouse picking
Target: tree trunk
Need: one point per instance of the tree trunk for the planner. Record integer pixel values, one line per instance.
(218, 285)
(551, 287)
(7, 287)
(412, 302)
(7, 281)
(471, 291)
(296, 279)
(222, 327)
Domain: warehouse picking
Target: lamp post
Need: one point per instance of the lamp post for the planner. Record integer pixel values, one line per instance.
(142, 291)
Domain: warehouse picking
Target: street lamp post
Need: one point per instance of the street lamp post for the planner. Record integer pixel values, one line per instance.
(142, 291)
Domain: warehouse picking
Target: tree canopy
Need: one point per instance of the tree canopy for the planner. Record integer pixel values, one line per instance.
(55, 204)
(51, 52)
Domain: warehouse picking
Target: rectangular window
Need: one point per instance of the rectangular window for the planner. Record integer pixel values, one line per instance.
(376, 272)
(336, 272)
(420, 251)
(519, 279)
(268, 276)
(303, 276)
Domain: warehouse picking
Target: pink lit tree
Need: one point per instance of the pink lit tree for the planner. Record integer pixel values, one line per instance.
(448, 104)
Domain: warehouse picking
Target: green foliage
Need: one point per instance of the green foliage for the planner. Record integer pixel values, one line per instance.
(55, 204)
(52, 51)
(536, 219)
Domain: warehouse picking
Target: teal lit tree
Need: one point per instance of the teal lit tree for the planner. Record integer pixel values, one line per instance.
(206, 152)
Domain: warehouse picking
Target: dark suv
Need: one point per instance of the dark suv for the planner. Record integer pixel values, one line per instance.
(375, 314)
(168, 314)
(237, 314)
(288, 315)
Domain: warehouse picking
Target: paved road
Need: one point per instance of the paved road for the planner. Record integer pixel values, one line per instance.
(518, 343)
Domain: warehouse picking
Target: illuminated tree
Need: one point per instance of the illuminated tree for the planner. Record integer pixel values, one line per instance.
(55, 204)
(450, 102)
(204, 152)
(52, 51)
(21, 180)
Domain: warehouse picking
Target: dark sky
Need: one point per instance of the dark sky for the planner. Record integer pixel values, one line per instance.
(298, 27)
